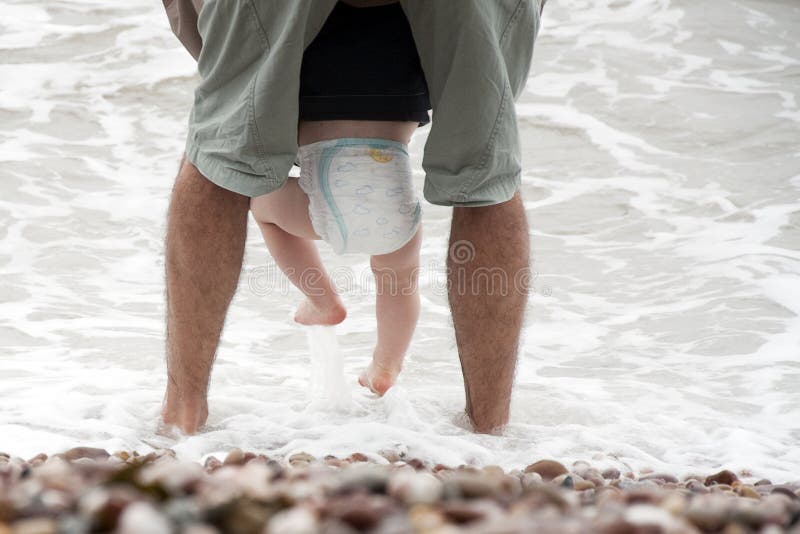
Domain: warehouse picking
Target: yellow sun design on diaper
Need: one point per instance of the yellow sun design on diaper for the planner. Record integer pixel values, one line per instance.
(380, 156)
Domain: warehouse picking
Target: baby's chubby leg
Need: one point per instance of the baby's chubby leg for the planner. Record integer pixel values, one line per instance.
(397, 307)
(285, 224)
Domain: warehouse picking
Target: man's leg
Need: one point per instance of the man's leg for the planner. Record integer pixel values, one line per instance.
(206, 231)
(489, 250)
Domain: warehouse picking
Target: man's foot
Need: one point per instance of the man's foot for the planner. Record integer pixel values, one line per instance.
(378, 378)
(328, 312)
(187, 413)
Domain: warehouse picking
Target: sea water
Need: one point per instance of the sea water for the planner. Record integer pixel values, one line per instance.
(661, 145)
(327, 385)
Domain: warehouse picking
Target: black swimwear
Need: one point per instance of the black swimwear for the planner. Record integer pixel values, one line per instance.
(364, 65)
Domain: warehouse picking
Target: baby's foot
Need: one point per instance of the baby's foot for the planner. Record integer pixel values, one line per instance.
(378, 378)
(327, 312)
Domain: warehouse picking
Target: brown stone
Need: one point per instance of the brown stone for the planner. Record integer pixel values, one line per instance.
(548, 469)
(362, 512)
(212, 463)
(38, 459)
(461, 512)
(416, 463)
(438, 468)
(333, 461)
(467, 485)
(612, 473)
(35, 526)
(494, 470)
(358, 457)
(234, 457)
(735, 528)
(723, 477)
(749, 492)
(594, 476)
(85, 452)
(425, 518)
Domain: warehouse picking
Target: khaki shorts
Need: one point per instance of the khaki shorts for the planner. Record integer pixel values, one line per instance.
(475, 55)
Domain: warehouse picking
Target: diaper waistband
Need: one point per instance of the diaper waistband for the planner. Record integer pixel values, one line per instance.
(354, 142)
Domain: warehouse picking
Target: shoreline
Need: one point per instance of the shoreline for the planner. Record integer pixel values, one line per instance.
(91, 490)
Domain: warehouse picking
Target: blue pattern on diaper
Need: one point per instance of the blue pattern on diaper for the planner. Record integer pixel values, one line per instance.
(394, 191)
(365, 190)
(324, 166)
(360, 209)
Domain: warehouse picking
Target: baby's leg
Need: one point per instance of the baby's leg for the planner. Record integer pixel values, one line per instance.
(397, 304)
(285, 224)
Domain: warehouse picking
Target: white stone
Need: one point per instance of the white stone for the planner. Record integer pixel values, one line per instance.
(649, 515)
(142, 517)
(293, 521)
(412, 487)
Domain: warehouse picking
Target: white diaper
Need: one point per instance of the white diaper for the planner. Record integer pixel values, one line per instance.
(361, 196)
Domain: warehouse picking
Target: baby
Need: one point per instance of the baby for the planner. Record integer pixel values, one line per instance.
(356, 193)
(362, 94)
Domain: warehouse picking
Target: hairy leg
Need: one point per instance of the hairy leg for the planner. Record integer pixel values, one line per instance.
(206, 232)
(397, 307)
(489, 256)
(285, 224)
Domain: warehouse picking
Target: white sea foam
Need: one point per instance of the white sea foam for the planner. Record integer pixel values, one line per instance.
(327, 387)
(660, 140)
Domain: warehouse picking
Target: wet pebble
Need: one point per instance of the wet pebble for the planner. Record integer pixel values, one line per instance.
(35, 526)
(723, 477)
(612, 473)
(709, 512)
(547, 469)
(412, 487)
(91, 453)
(300, 459)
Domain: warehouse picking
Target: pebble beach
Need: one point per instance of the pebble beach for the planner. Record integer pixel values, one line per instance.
(87, 489)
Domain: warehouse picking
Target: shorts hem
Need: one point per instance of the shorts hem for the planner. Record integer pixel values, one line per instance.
(496, 191)
(249, 185)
